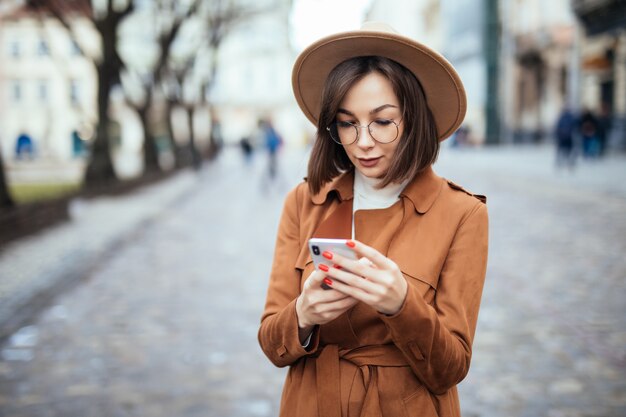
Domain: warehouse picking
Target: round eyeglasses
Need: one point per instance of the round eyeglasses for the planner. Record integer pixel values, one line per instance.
(381, 130)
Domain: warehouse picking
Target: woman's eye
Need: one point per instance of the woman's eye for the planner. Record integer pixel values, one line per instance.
(344, 125)
(383, 122)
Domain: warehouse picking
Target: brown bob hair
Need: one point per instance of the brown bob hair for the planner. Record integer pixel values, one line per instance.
(419, 143)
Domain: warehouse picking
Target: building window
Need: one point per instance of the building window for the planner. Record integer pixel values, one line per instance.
(15, 49)
(43, 49)
(43, 91)
(74, 92)
(16, 91)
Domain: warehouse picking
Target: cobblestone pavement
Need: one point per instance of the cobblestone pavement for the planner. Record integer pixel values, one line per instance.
(162, 320)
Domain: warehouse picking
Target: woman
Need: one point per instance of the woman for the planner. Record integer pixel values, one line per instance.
(393, 336)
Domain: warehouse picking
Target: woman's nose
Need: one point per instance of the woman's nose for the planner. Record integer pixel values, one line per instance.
(364, 137)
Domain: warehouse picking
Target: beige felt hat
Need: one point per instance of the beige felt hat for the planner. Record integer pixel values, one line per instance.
(443, 87)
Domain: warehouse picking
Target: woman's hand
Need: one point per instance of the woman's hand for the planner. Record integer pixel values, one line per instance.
(318, 306)
(378, 282)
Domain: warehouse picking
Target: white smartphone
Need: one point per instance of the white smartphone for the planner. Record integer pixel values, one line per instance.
(317, 246)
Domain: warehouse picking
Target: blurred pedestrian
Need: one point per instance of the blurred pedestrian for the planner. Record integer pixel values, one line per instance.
(604, 126)
(393, 334)
(272, 142)
(564, 133)
(460, 138)
(246, 149)
(216, 140)
(590, 134)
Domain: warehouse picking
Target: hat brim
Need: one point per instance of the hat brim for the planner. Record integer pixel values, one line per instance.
(442, 86)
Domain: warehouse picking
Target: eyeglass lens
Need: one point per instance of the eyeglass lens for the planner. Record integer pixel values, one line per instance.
(346, 133)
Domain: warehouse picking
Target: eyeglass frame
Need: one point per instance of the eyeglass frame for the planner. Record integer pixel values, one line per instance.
(358, 131)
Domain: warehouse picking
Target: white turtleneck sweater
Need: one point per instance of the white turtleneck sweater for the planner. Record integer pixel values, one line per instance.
(368, 197)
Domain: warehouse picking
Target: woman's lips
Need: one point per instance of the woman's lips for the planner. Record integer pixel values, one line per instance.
(369, 162)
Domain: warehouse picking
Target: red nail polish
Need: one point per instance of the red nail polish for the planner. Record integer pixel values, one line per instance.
(323, 267)
(337, 266)
(350, 244)
(327, 255)
(328, 281)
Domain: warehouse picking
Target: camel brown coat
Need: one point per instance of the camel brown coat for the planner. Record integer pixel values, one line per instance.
(365, 363)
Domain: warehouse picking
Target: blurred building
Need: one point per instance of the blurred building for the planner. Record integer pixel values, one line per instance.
(254, 77)
(538, 73)
(464, 46)
(47, 90)
(601, 54)
(523, 61)
(48, 87)
(551, 60)
(420, 20)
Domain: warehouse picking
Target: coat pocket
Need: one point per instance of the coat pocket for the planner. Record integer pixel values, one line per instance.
(427, 286)
(420, 404)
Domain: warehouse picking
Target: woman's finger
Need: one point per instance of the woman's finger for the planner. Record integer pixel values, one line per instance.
(377, 258)
(362, 268)
(353, 291)
(342, 304)
(354, 278)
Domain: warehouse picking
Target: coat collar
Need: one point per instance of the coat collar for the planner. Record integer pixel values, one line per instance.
(421, 192)
(342, 185)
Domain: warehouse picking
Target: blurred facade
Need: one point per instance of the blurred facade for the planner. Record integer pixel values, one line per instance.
(546, 55)
(464, 46)
(46, 89)
(48, 85)
(538, 72)
(420, 20)
(539, 56)
(601, 53)
(254, 78)
(562, 54)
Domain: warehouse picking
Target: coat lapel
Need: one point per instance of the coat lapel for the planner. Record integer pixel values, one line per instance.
(338, 224)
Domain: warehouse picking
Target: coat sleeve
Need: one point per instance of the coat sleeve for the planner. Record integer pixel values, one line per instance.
(278, 334)
(437, 339)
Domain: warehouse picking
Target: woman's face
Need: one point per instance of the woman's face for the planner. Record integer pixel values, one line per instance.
(371, 100)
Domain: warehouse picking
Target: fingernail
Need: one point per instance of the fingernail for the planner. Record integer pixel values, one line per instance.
(328, 281)
(327, 255)
(323, 267)
(337, 266)
(350, 244)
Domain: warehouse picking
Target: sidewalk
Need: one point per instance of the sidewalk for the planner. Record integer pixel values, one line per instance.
(535, 164)
(36, 268)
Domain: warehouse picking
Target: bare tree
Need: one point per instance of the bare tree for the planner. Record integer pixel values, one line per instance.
(220, 17)
(173, 87)
(6, 201)
(185, 86)
(168, 20)
(106, 20)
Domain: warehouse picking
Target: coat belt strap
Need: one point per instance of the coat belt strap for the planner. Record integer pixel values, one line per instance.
(327, 378)
(366, 358)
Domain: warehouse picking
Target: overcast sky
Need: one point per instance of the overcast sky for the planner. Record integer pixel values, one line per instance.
(313, 19)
